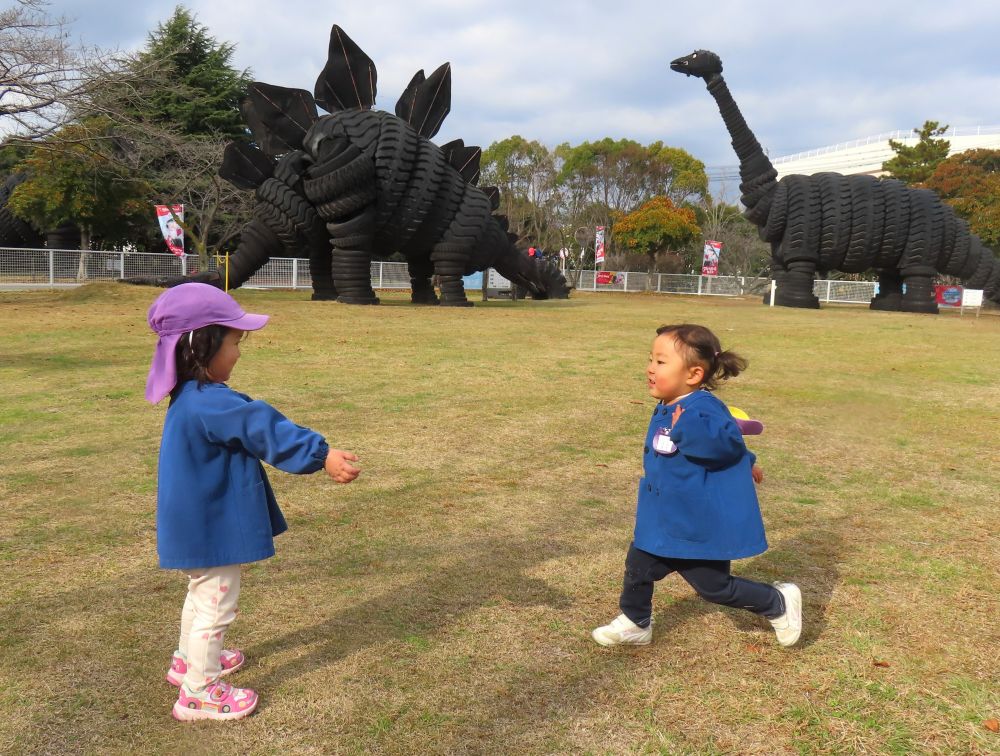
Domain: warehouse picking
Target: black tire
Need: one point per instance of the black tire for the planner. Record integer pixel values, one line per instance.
(345, 205)
(297, 211)
(835, 200)
(801, 238)
(759, 212)
(960, 254)
(984, 268)
(916, 257)
(777, 217)
(416, 204)
(395, 156)
(867, 222)
(949, 238)
(895, 228)
(992, 286)
(360, 171)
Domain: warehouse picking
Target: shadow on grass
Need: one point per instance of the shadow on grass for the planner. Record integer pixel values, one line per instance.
(488, 571)
(810, 559)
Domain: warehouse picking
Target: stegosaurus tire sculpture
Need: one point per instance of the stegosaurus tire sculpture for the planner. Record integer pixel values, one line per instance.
(359, 182)
(849, 223)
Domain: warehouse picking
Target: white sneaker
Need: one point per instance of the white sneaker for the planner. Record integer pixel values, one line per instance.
(788, 627)
(623, 631)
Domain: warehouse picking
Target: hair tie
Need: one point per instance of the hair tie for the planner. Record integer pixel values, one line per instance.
(717, 354)
(191, 338)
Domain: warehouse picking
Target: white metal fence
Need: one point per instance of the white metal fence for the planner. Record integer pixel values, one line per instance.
(49, 268)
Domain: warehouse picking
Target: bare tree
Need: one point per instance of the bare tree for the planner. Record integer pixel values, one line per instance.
(41, 73)
(743, 251)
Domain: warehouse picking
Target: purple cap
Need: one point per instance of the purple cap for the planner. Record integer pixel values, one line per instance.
(182, 309)
(749, 427)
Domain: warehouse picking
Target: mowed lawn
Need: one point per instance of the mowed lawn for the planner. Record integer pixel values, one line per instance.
(443, 602)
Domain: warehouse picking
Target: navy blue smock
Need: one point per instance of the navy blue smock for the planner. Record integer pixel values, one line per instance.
(697, 498)
(215, 505)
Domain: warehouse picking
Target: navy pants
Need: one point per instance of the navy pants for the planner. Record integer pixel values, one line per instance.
(709, 577)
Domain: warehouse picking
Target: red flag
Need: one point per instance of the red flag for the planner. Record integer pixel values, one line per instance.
(172, 232)
(710, 262)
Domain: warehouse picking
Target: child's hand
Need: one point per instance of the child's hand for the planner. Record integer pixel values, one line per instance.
(678, 411)
(338, 466)
(757, 473)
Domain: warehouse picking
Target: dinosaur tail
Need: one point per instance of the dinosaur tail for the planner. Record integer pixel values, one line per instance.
(541, 278)
(758, 178)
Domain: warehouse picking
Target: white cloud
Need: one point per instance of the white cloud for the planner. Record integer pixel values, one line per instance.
(805, 75)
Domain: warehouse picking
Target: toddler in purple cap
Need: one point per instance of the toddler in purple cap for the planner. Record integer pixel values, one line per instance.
(215, 509)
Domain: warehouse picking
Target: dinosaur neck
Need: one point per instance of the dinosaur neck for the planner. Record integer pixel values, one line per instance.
(757, 175)
(744, 142)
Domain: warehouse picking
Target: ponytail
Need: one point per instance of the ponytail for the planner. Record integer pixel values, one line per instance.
(702, 347)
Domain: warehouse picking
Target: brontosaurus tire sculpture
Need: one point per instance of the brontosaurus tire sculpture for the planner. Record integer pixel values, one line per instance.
(852, 224)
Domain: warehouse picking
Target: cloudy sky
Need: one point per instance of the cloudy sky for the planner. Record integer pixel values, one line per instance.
(805, 74)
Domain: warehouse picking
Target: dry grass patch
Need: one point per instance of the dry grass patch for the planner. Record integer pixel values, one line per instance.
(443, 602)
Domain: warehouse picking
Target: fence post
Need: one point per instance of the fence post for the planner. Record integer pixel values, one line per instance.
(381, 267)
(52, 268)
(184, 265)
(774, 287)
(625, 286)
(828, 283)
(295, 273)
(121, 265)
(699, 285)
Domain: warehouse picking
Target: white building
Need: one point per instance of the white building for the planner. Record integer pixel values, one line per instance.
(864, 155)
(867, 155)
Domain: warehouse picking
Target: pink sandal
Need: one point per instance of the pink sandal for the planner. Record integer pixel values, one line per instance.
(231, 661)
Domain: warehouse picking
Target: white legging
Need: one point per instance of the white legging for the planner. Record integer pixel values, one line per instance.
(209, 609)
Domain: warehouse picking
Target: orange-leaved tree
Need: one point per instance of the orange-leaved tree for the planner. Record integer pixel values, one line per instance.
(658, 226)
(970, 183)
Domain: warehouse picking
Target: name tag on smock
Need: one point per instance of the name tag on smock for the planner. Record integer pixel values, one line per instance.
(662, 442)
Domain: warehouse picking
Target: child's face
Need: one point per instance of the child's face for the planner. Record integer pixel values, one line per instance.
(667, 375)
(221, 365)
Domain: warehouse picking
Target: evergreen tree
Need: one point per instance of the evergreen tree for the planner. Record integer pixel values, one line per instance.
(199, 91)
(915, 164)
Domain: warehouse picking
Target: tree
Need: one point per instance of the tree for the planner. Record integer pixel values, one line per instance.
(618, 176)
(201, 91)
(743, 253)
(156, 124)
(524, 172)
(914, 164)
(79, 185)
(179, 123)
(970, 183)
(40, 73)
(656, 227)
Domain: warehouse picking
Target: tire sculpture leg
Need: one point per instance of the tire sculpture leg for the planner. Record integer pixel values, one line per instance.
(421, 285)
(449, 261)
(890, 291)
(341, 185)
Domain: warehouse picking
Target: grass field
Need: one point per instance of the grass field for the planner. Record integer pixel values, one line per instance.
(443, 602)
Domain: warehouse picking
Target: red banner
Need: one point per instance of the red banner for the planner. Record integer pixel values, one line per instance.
(599, 246)
(710, 263)
(172, 232)
(605, 277)
(949, 296)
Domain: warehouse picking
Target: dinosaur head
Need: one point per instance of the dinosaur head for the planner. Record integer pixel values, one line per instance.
(703, 63)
